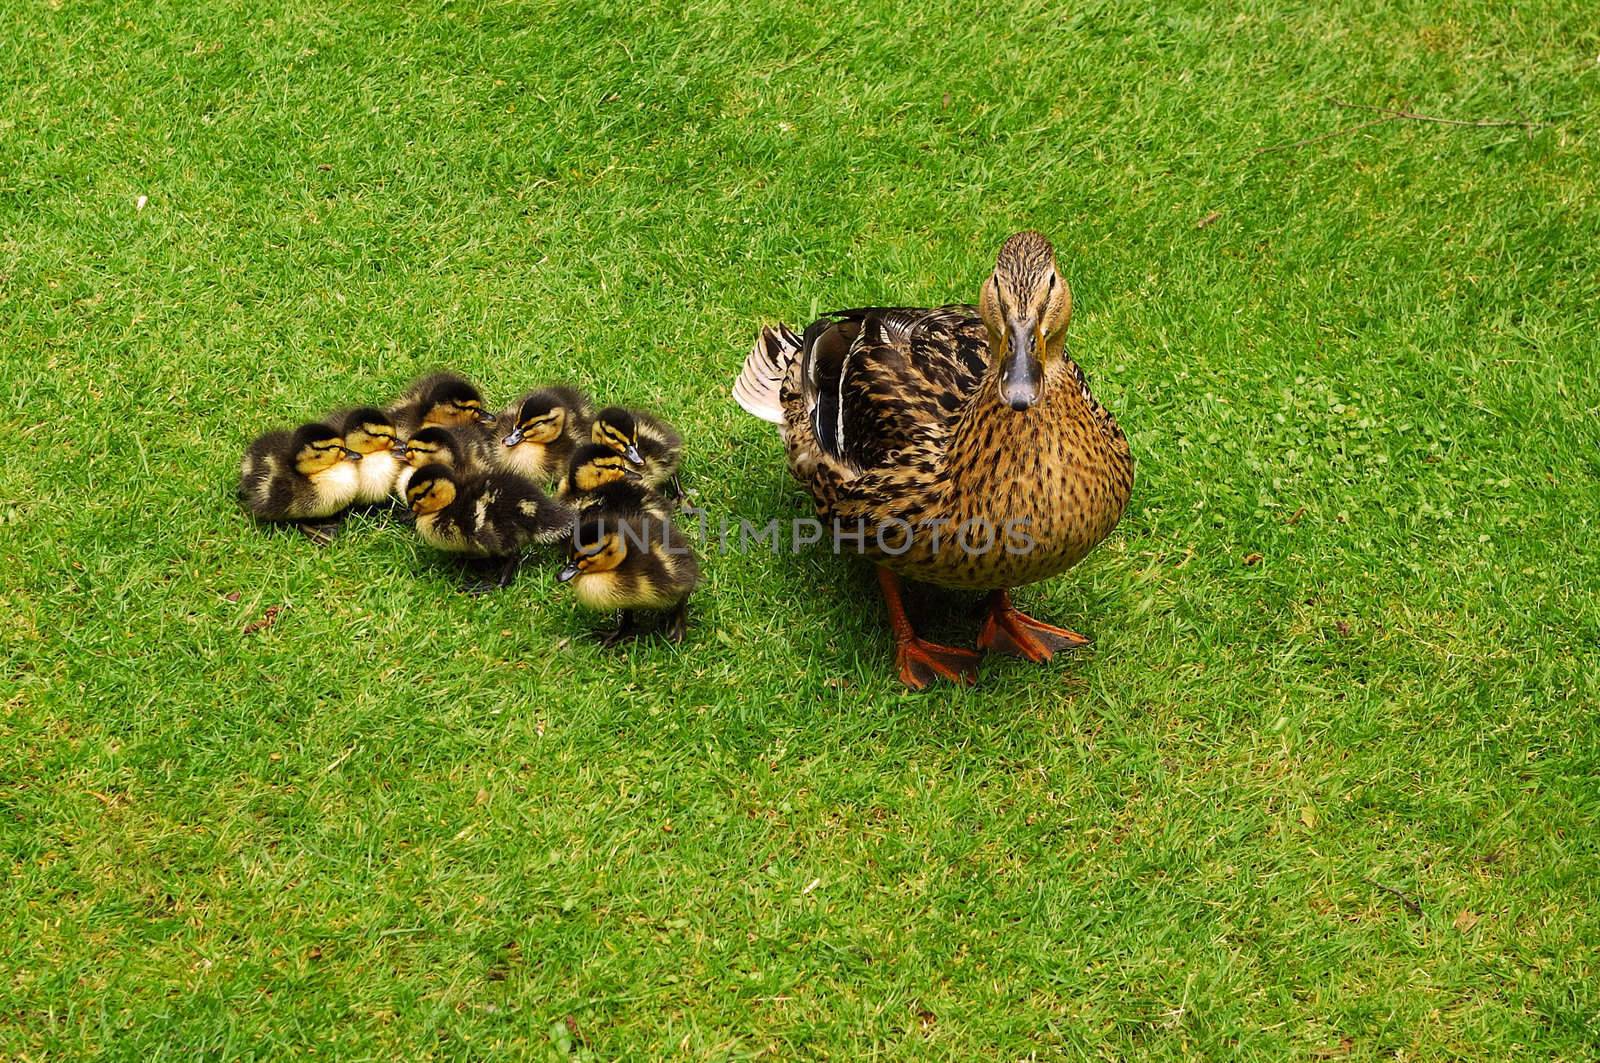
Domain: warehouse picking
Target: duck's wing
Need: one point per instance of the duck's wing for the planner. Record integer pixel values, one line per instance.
(874, 381)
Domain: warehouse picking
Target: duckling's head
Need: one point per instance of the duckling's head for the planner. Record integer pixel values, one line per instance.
(432, 488)
(594, 465)
(598, 545)
(454, 401)
(317, 447)
(368, 430)
(431, 446)
(541, 418)
(1026, 305)
(618, 429)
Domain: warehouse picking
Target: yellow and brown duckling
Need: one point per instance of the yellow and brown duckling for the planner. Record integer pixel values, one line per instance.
(599, 477)
(599, 471)
(488, 517)
(632, 563)
(440, 399)
(652, 445)
(307, 476)
(539, 432)
(465, 449)
(972, 426)
(369, 432)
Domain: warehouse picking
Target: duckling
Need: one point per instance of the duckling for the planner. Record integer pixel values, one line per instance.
(489, 517)
(653, 446)
(369, 432)
(630, 563)
(465, 449)
(600, 478)
(443, 399)
(542, 429)
(306, 476)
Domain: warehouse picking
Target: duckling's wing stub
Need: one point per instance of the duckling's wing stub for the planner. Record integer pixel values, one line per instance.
(549, 520)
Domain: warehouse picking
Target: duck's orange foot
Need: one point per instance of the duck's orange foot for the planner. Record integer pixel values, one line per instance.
(1009, 630)
(922, 662)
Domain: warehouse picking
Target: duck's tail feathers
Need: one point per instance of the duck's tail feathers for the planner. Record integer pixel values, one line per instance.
(758, 385)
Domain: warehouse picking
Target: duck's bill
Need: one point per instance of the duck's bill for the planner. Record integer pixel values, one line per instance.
(513, 439)
(1021, 377)
(631, 452)
(353, 455)
(483, 416)
(568, 572)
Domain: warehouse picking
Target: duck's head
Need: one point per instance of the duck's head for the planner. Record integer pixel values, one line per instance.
(541, 418)
(430, 446)
(369, 430)
(594, 465)
(453, 401)
(618, 429)
(598, 545)
(432, 488)
(317, 447)
(1026, 305)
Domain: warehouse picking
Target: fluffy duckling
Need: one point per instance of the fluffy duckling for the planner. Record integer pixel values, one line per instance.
(631, 563)
(653, 446)
(440, 399)
(542, 429)
(490, 517)
(369, 432)
(306, 476)
(601, 479)
(464, 449)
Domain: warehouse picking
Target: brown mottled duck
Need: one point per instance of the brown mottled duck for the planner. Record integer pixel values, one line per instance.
(962, 444)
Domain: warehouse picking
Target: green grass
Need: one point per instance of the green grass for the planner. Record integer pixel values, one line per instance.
(1338, 803)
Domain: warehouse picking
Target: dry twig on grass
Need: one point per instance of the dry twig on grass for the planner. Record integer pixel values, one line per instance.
(1391, 115)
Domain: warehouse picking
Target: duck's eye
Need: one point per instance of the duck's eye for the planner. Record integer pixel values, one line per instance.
(1052, 286)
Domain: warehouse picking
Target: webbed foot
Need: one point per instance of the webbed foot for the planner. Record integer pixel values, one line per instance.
(1009, 630)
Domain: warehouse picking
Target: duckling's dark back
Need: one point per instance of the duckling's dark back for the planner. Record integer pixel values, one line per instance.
(501, 513)
(656, 433)
(620, 500)
(263, 459)
(472, 445)
(408, 410)
(660, 568)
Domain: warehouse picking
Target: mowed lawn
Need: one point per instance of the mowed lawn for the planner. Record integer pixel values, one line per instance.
(1326, 787)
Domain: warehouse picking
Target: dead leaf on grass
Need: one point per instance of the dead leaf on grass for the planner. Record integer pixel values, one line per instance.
(268, 618)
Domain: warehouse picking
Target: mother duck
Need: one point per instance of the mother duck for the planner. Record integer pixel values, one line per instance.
(958, 445)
